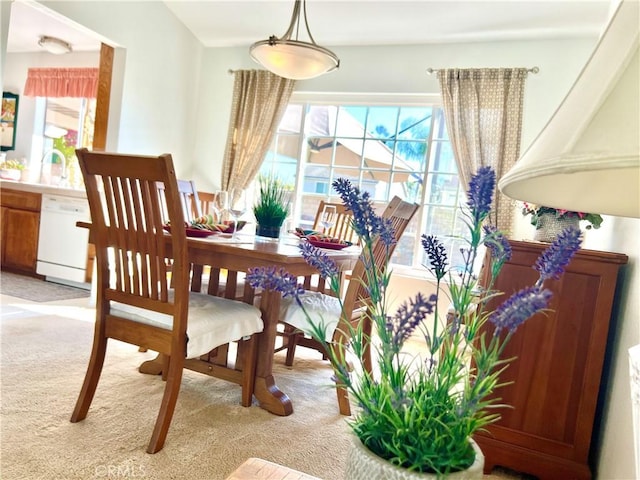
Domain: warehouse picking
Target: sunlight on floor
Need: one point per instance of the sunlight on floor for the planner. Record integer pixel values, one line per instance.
(78, 309)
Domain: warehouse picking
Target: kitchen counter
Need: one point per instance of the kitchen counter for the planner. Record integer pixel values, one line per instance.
(40, 188)
(39, 232)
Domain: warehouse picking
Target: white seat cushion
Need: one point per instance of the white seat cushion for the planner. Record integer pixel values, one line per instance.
(322, 309)
(212, 321)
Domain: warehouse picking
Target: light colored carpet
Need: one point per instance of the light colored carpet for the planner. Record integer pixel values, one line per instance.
(44, 358)
(36, 290)
(45, 348)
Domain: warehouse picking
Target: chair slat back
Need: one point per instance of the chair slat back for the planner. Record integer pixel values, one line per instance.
(207, 201)
(400, 213)
(343, 227)
(189, 199)
(126, 222)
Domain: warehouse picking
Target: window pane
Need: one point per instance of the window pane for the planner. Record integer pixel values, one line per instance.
(382, 122)
(415, 123)
(384, 150)
(291, 120)
(443, 189)
(442, 159)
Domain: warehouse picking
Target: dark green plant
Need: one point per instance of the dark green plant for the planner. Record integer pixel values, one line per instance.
(272, 205)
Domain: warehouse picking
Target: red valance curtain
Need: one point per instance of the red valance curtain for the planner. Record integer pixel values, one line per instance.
(62, 82)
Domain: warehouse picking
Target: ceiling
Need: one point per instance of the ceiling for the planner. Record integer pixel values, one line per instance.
(218, 23)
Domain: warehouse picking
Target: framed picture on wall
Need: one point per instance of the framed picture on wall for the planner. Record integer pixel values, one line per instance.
(8, 121)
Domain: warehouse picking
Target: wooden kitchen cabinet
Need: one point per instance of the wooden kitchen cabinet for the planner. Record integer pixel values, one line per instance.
(556, 375)
(20, 224)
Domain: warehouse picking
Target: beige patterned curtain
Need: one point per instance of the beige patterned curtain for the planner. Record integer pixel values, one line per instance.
(483, 110)
(259, 101)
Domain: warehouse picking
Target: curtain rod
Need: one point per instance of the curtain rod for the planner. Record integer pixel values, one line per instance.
(436, 70)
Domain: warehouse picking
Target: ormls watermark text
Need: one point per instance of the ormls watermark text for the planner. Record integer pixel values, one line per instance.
(120, 471)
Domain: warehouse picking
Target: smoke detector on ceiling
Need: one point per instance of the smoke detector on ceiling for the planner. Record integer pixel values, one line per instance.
(54, 45)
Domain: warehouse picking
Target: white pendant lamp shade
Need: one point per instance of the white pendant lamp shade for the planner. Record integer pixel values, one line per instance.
(293, 58)
(587, 158)
(54, 45)
(596, 182)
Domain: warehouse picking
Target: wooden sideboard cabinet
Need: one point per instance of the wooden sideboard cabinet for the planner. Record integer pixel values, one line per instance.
(556, 376)
(20, 224)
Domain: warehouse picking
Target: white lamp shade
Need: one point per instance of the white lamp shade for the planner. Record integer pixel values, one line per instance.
(291, 57)
(294, 59)
(595, 182)
(587, 158)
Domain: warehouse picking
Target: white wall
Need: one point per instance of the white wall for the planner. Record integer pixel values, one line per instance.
(5, 10)
(160, 78)
(617, 123)
(393, 70)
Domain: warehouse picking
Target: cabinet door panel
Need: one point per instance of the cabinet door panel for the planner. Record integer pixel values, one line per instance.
(20, 239)
(553, 383)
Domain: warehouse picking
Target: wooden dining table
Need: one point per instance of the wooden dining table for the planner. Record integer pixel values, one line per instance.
(236, 256)
(247, 251)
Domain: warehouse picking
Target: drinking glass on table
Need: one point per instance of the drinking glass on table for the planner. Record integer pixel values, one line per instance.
(237, 206)
(328, 217)
(221, 203)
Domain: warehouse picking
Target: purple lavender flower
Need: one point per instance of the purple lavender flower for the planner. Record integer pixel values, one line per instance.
(408, 317)
(552, 262)
(519, 307)
(365, 221)
(480, 194)
(272, 278)
(386, 231)
(497, 243)
(436, 253)
(319, 260)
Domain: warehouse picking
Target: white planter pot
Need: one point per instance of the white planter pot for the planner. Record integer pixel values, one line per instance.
(362, 464)
(549, 226)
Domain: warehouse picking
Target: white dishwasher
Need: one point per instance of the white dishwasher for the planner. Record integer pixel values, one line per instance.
(62, 246)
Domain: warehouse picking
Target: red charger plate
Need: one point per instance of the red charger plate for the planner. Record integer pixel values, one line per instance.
(229, 223)
(193, 232)
(329, 245)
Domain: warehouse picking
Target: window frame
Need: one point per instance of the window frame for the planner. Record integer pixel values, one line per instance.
(377, 100)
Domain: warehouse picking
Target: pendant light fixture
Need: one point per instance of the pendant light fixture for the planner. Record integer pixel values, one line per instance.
(54, 45)
(293, 58)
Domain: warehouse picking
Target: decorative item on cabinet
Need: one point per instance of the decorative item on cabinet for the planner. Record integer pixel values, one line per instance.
(554, 384)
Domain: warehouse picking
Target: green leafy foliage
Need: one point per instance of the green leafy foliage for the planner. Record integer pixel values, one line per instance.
(418, 411)
(272, 206)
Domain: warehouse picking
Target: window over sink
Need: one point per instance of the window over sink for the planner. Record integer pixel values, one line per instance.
(67, 123)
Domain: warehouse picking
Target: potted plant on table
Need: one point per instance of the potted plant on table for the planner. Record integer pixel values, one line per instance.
(272, 206)
(416, 415)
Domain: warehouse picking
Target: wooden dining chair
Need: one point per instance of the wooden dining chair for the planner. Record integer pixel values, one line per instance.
(189, 199)
(342, 227)
(326, 308)
(207, 201)
(135, 302)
